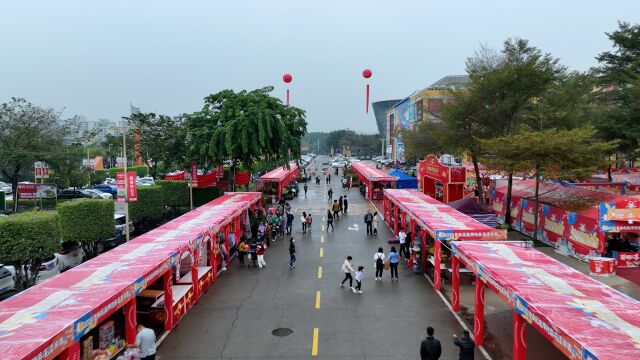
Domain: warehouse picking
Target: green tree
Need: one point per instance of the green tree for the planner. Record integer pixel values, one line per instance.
(28, 133)
(427, 138)
(160, 129)
(86, 221)
(149, 208)
(244, 127)
(502, 87)
(26, 239)
(553, 153)
(619, 90)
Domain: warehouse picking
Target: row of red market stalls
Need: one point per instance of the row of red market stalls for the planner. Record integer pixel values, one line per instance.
(581, 316)
(582, 223)
(374, 179)
(279, 178)
(155, 278)
(435, 223)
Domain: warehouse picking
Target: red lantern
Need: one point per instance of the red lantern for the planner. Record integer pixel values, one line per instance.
(366, 73)
(287, 78)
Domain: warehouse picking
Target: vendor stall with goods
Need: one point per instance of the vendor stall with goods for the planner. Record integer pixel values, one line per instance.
(441, 182)
(275, 182)
(372, 180)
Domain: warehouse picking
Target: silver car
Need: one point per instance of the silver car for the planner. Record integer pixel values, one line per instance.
(6, 188)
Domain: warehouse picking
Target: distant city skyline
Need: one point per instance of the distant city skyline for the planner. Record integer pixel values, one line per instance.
(95, 58)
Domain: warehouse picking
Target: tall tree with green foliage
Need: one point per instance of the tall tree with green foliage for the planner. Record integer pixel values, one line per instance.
(243, 127)
(359, 144)
(619, 90)
(28, 133)
(162, 140)
(503, 86)
(557, 154)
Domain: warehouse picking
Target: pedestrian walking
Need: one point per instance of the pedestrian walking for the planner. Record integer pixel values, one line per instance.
(268, 230)
(368, 220)
(290, 219)
(359, 277)
(330, 194)
(145, 342)
(376, 218)
(241, 252)
(378, 258)
(292, 254)
(305, 190)
(260, 250)
(253, 251)
(330, 221)
(329, 178)
(347, 269)
(344, 183)
(309, 222)
(336, 210)
(393, 262)
(430, 348)
(340, 203)
(465, 344)
(402, 238)
(303, 220)
(282, 223)
(345, 203)
(223, 254)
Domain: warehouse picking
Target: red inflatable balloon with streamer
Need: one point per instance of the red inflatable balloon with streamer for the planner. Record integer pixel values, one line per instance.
(287, 78)
(366, 73)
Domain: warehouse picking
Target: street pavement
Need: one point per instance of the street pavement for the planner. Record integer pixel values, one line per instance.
(236, 316)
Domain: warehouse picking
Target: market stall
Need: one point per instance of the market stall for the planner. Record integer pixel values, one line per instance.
(58, 318)
(373, 181)
(437, 223)
(278, 179)
(441, 182)
(582, 317)
(578, 222)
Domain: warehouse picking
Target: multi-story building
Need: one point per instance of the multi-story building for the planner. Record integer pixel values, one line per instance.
(421, 106)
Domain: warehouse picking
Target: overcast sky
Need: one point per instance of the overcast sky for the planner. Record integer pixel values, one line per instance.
(95, 57)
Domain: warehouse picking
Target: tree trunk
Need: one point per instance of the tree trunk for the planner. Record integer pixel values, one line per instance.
(476, 168)
(507, 200)
(14, 184)
(609, 173)
(536, 205)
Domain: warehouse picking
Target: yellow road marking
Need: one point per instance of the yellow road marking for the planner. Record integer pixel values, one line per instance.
(322, 227)
(322, 237)
(321, 252)
(317, 299)
(319, 272)
(314, 346)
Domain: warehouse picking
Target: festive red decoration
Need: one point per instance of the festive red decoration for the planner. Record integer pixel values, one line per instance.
(366, 73)
(287, 78)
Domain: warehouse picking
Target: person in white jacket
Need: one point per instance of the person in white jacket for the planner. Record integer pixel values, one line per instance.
(379, 262)
(347, 269)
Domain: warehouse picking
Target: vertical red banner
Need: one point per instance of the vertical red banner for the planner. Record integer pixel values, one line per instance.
(194, 173)
(133, 191)
(120, 184)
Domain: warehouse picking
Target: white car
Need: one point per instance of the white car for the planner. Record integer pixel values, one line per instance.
(339, 164)
(49, 268)
(6, 188)
(7, 280)
(97, 193)
(71, 255)
(120, 221)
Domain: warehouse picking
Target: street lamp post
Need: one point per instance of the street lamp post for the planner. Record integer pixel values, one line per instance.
(126, 180)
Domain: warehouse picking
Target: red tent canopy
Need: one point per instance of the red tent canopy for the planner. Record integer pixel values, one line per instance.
(583, 318)
(282, 176)
(369, 174)
(46, 319)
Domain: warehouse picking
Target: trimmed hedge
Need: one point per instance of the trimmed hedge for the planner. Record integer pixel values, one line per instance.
(25, 240)
(86, 221)
(149, 206)
(140, 170)
(99, 176)
(202, 196)
(174, 192)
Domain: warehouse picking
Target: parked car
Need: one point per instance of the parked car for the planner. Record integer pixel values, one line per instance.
(118, 236)
(7, 280)
(120, 221)
(6, 188)
(72, 194)
(107, 188)
(97, 194)
(71, 255)
(145, 181)
(49, 268)
(90, 193)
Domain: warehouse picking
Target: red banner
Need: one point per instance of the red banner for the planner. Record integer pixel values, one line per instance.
(177, 176)
(27, 191)
(208, 180)
(131, 186)
(194, 172)
(242, 178)
(628, 259)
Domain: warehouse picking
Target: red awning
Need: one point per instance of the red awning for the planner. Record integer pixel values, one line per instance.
(584, 318)
(370, 172)
(280, 174)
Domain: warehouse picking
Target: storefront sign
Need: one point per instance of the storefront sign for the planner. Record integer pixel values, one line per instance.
(628, 259)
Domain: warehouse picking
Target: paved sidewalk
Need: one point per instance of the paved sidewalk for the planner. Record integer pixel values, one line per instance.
(234, 319)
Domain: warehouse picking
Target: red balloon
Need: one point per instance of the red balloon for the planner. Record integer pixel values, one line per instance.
(287, 78)
(367, 73)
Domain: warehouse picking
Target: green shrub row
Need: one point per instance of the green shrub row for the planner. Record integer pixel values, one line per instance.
(175, 192)
(86, 221)
(140, 170)
(149, 206)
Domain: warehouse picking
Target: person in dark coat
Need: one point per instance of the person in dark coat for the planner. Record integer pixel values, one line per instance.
(430, 348)
(465, 344)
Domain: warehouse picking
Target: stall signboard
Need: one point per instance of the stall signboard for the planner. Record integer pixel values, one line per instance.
(27, 191)
(584, 318)
(620, 216)
(432, 168)
(131, 186)
(628, 259)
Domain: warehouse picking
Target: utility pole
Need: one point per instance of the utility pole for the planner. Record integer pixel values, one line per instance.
(126, 180)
